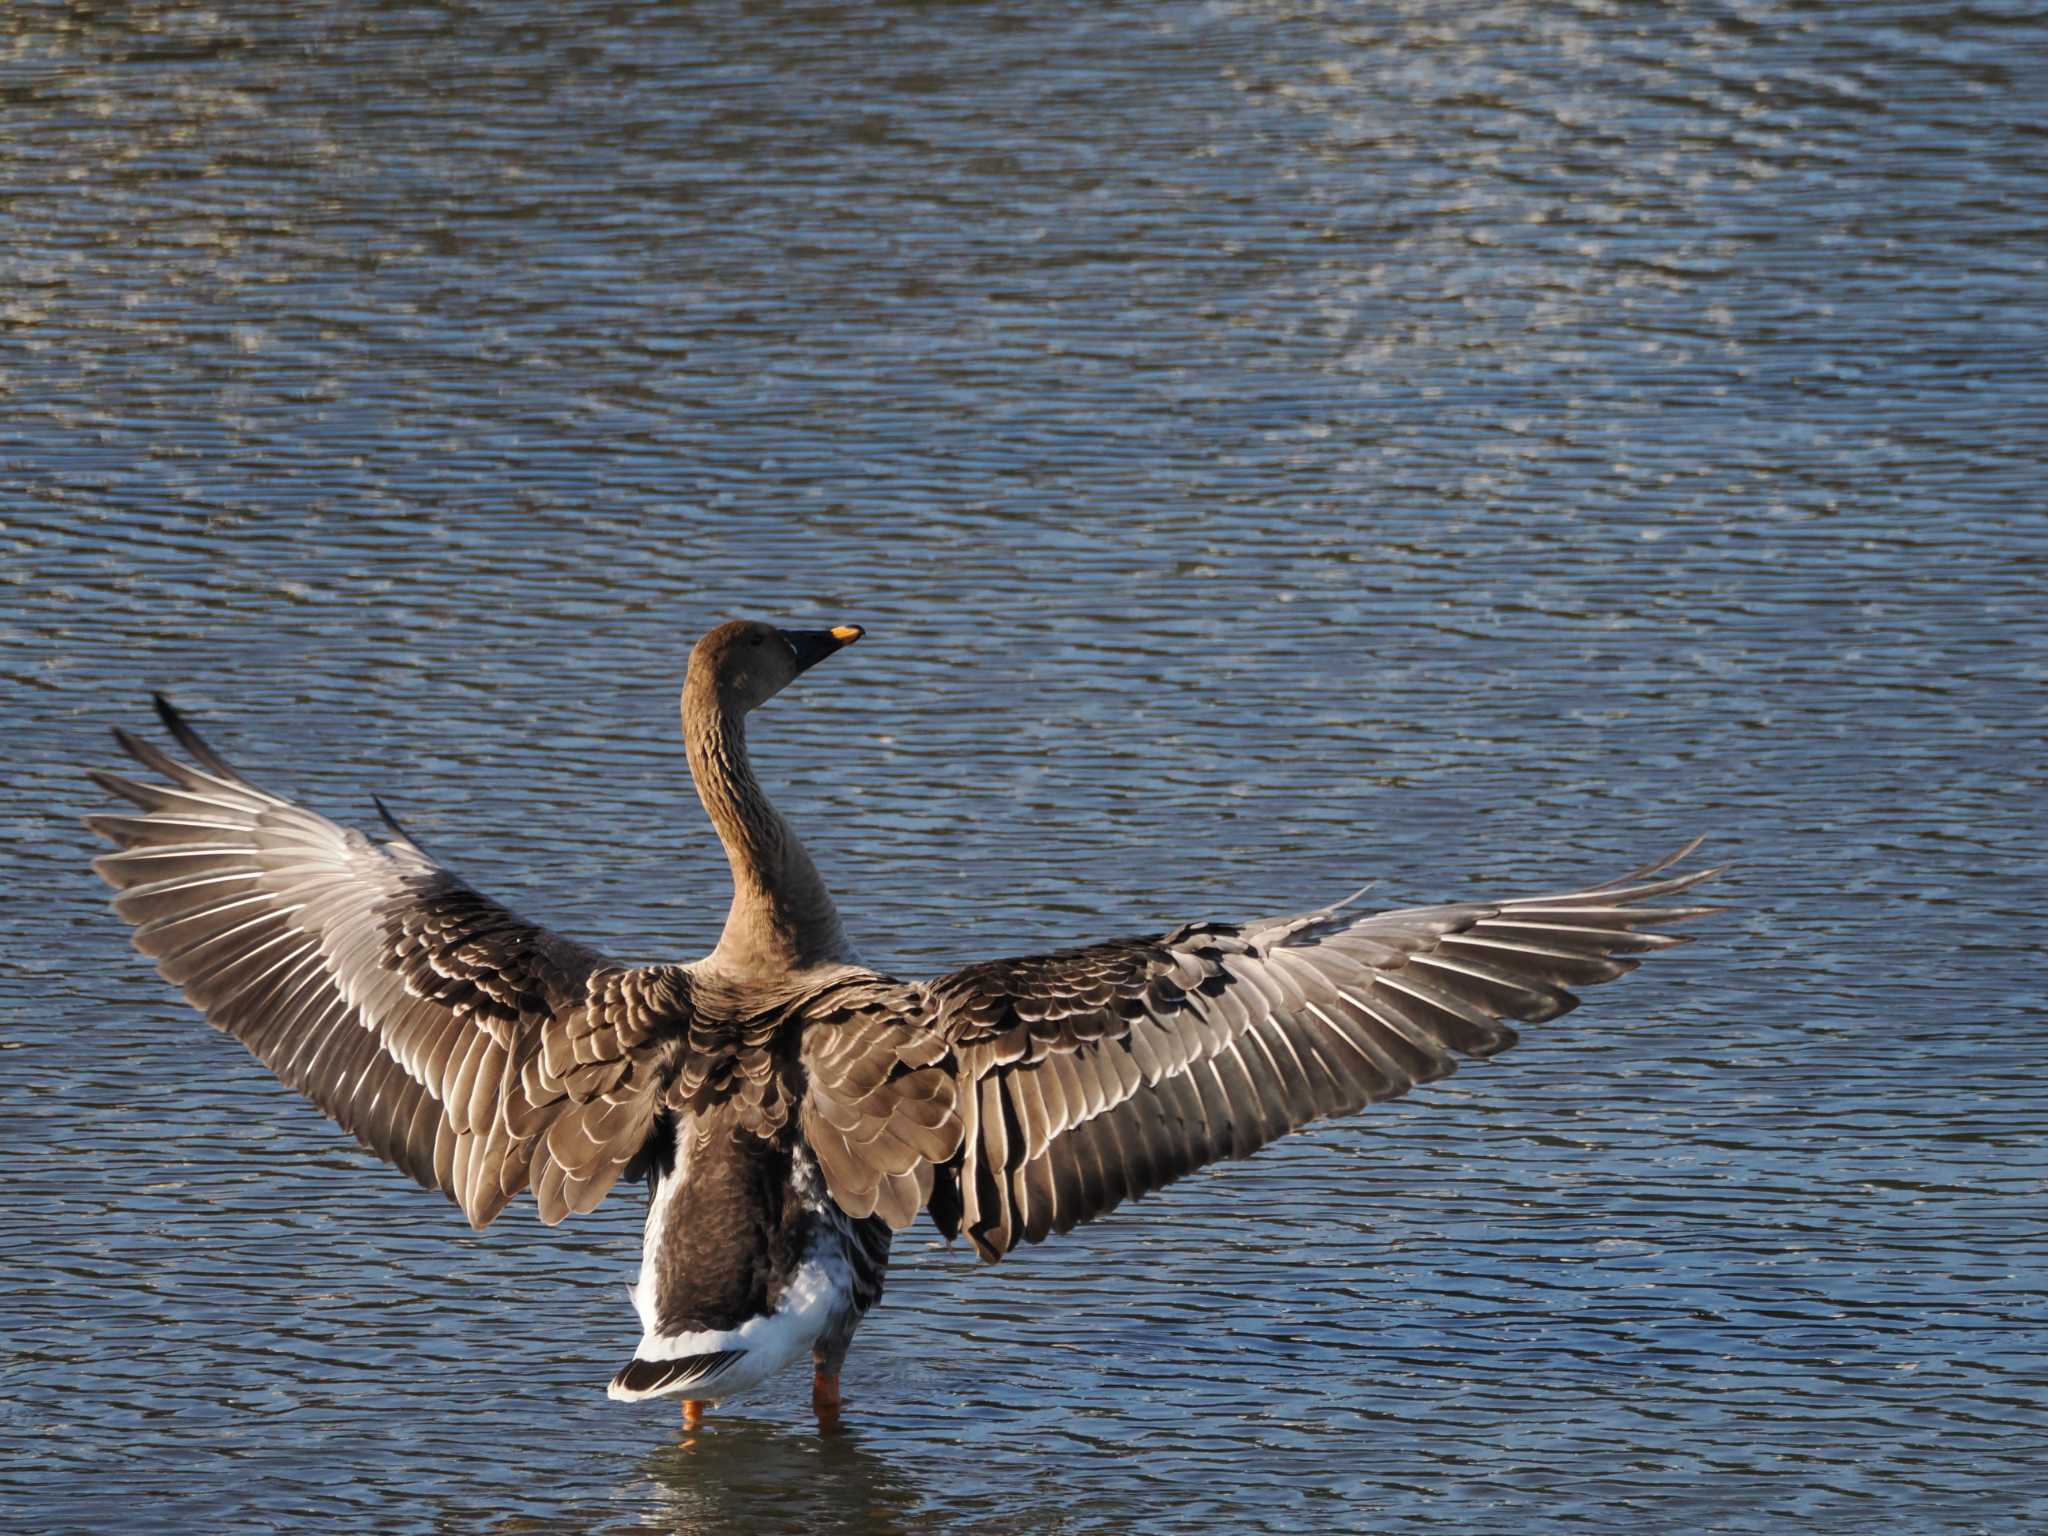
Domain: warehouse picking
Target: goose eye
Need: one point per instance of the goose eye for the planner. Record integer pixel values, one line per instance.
(753, 640)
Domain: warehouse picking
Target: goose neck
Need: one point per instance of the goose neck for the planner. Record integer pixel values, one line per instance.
(782, 918)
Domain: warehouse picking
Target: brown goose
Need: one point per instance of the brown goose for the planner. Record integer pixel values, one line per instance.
(790, 1108)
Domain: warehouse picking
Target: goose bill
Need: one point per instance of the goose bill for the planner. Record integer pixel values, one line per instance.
(811, 646)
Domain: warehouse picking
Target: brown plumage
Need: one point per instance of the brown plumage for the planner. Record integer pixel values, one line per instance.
(789, 1107)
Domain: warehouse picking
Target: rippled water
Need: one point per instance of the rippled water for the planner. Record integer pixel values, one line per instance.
(1271, 446)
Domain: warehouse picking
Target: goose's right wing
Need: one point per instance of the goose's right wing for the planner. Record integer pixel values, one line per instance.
(1092, 1076)
(478, 1052)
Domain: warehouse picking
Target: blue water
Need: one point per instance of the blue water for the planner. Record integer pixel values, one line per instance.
(1271, 448)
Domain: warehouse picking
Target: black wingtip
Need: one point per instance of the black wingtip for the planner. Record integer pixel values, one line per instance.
(404, 834)
(384, 815)
(181, 732)
(128, 744)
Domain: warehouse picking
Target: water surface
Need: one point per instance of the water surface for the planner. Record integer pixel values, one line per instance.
(1271, 447)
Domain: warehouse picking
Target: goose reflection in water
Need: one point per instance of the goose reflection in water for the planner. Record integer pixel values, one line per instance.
(717, 1483)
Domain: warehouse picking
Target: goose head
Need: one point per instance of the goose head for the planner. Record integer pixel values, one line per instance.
(745, 664)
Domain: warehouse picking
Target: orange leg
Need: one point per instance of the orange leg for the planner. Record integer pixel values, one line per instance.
(693, 1414)
(825, 1401)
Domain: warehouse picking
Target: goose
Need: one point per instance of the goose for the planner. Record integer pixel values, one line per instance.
(789, 1108)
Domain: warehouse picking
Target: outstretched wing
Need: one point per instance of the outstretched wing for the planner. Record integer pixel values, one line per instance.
(479, 1053)
(1092, 1076)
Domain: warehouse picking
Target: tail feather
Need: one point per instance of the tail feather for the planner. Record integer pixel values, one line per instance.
(651, 1378)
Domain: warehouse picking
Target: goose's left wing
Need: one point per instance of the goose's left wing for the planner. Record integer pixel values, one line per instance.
(1091, 1076)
